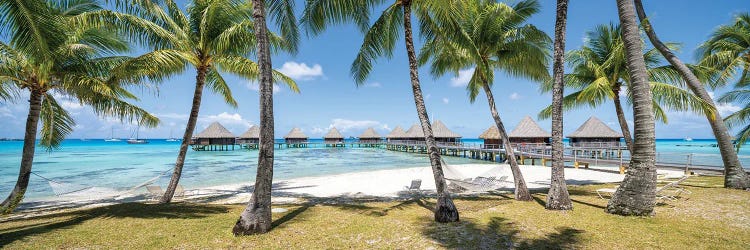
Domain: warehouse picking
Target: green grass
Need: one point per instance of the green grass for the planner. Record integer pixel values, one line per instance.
(710, 217)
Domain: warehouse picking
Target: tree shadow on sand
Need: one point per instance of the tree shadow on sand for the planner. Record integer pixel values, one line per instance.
(498, 233)
(57, 221)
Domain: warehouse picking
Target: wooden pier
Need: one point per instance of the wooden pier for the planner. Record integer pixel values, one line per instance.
(526, 154)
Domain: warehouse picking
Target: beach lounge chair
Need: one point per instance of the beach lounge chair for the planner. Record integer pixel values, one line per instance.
(672, 190)
(155, 192)
(415, 185)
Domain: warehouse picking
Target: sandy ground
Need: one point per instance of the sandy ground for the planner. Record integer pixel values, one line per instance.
(380, 184)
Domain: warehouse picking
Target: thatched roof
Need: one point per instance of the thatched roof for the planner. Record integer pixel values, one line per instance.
(527, 128)
(333, 134)
(296, 133)
(215, 130)
(415, 132)
(439, 130)
(397, 132)
(252, 133)
(369, 134)
(594, 128)
(491, 133)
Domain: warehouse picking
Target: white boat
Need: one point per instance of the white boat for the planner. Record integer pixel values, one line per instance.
(171, 138)
(136, 140)
(688, 139)
(112, 137)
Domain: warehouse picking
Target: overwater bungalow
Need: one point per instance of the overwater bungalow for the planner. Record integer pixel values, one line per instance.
(214, 138)
(295, 138)
(333, 138)
(529, 132)
(370, 137)
(415, 133)
(443, 134)
(250, 138)
(397, 134)
(594, 133)
(491, 137)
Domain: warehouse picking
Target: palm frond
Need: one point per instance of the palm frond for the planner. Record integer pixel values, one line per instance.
(56, 123)
(216, 83)
(379, 41)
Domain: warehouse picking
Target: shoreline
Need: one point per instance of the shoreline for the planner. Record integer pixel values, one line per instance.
(374, 184)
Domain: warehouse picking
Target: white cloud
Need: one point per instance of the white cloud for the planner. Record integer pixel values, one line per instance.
(724, 108)
(300, 71)
(71, 105)
(427, 97)
(446, 100)
(172, 116)
(350, 126)
(463, 78)
(253, 85)
(5, 112)
(373, 85)
(231, 120)
(515, 96)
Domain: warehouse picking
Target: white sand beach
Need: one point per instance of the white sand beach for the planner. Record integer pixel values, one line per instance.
(392, 183)
(380, 184)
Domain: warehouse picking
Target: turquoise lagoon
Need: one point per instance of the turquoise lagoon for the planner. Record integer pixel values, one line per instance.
(119, 165)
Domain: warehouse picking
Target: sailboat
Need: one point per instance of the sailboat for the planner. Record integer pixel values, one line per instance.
(171, 138)
(136, 140)
(112, 137)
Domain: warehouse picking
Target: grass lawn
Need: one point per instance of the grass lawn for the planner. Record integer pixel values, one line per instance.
(710, 217)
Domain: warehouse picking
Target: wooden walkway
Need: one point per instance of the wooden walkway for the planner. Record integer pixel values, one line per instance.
(578, 157)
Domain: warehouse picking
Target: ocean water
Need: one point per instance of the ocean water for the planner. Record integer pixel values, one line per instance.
(119, 166)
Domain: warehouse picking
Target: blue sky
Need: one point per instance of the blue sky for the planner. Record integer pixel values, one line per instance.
(329, 96)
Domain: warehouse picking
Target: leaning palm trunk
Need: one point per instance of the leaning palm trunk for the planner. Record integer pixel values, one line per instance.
(623, 122)
(637, 193)
(29, 141)
(734, 175)
(200, 80)
(445, 210)
(558, 197)
(521, 192)
(256, 218)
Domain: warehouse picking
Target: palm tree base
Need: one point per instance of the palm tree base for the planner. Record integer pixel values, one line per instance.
(252, 222)
(445, 210)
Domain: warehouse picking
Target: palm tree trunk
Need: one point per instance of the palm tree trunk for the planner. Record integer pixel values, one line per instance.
(558, 197)
(637, 193)
(27, 158)
(521, 192)
(200, 80)
(623, 122)
(734, 175)
(445, 210)
(256, 218)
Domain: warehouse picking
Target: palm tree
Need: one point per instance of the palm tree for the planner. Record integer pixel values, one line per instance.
(50, 57)
(728, 51)
(211, 36)
(558, 197)
(490, 36)
(256, 218)
(600, 73)
(380, 40)
(740, 94)
(637, 193)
